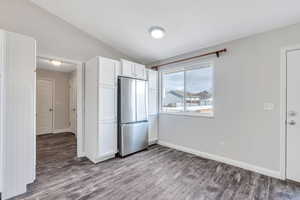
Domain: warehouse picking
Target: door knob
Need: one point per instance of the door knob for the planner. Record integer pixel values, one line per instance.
(292, 122)
(50, 109)
(292, 113)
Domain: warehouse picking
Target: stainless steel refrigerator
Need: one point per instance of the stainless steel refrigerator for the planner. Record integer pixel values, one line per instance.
(132, 115)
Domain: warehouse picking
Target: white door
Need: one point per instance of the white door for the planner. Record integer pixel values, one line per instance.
(44, 99)
(73, 106)
(293, 115)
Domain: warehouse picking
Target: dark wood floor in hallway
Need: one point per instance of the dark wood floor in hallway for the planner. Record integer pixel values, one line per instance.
(159, 173)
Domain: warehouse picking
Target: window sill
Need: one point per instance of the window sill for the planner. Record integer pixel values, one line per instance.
(209, 116)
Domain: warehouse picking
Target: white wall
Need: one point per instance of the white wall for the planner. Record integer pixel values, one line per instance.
(18, 114)
(54, 36)
(245, 77)
(2, 34)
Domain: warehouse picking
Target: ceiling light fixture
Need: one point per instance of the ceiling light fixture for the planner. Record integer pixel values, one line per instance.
(157, 32)
(56, 63)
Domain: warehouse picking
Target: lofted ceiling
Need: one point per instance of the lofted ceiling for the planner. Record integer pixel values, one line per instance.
(190, 24)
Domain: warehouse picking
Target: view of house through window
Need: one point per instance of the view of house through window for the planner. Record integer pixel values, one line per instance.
(173, 97)
(189, 90)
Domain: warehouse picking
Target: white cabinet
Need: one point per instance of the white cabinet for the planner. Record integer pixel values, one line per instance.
(153, 91)
(140, 71)
(153, 102)
(101, 108)
(17, 113)
(153, 105)
(128, 68)
(135, 70)
(153, 79)
(153, 129)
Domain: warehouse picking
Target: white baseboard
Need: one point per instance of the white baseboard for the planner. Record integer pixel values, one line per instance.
(102, 157)
(151, 142)
(80, 154)
(62, 130)
(243, 165)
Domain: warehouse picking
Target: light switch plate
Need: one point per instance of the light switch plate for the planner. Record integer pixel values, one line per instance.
(268, 106)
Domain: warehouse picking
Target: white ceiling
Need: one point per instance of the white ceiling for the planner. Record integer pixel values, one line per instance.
(44, 63)
(190, 24)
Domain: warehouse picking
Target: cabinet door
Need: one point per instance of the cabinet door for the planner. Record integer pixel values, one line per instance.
(127, 68)
(153, 79)
(107, 71)
(118, 72)
(107, 139)
(153, 101)
(140, 71)
(107, 85)
(107, 107)
(153, 128)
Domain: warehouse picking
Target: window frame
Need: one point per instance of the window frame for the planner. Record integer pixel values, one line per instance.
(184, 68)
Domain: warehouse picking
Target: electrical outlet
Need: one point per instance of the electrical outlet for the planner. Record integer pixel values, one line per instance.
(268, 106)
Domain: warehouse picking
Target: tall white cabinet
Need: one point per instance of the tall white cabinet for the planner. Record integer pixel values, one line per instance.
(134, 70)
(101, 108)
(17, 113)
(153, 105)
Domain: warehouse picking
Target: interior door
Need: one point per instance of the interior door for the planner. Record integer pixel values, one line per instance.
(73, 106)
(44, 97)
(293, 115)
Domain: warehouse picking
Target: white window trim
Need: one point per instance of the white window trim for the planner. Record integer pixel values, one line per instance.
(184, 67)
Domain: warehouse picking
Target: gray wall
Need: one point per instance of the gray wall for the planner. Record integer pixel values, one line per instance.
(61, 100)
(245, 77)
(54, 36)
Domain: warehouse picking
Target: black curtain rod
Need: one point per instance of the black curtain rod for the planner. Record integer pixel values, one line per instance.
(217, 53)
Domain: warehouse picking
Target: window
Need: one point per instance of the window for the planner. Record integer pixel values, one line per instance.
(173, 92)
(188, 90)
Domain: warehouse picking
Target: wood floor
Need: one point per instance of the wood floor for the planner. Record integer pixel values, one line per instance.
(158, 173)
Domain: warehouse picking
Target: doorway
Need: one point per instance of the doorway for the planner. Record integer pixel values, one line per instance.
(59, 99)
(290, 109)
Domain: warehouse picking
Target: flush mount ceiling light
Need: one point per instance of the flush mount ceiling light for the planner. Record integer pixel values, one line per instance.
(157, 32)
(56, 63)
